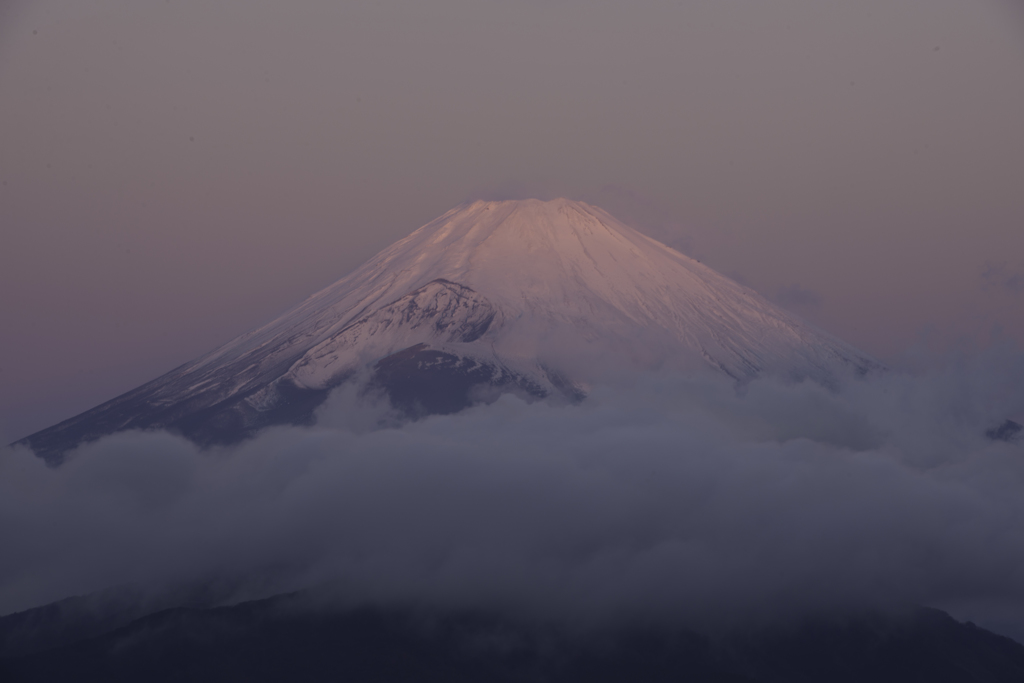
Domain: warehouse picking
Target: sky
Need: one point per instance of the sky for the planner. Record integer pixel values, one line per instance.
(174, 173)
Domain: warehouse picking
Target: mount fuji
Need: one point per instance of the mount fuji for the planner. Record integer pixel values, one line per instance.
(539, 298)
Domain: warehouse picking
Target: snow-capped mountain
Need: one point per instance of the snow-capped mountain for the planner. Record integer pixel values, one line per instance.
(539, 298)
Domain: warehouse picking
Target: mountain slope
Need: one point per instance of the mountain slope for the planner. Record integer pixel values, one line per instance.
(294, 638)
(540, 298)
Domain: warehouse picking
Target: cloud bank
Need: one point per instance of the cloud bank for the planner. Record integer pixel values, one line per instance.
(662, 498)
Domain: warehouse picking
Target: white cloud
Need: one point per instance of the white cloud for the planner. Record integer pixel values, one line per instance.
(664, 497)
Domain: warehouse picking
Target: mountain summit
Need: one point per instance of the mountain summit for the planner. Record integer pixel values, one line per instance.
(536, 297)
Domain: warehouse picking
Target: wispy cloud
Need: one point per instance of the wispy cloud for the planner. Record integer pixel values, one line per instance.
(798, 297)
(1003, 276)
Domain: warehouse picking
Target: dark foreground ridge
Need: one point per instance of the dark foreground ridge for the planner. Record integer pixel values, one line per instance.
(283, 639)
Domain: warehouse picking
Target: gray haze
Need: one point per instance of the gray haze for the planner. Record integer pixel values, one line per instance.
(660, 498)
(175, 173)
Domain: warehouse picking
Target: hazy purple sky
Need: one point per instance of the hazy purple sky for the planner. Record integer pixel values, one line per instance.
(173, 173)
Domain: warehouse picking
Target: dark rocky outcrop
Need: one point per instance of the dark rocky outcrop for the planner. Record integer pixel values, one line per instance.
(287, 639)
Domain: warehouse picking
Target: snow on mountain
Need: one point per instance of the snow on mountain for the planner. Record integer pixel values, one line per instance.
(528, 296)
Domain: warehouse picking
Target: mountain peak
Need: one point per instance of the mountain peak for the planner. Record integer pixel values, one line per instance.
(536, 297)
